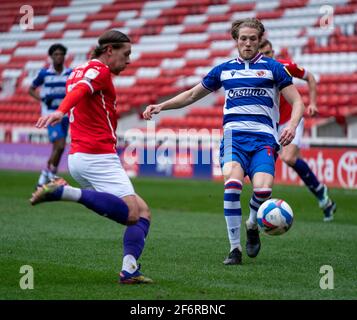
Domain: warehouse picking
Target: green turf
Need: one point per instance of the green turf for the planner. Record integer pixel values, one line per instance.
(76, 254)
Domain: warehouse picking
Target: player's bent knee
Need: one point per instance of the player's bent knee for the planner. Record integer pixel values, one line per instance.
(232, 170)
(145, 213)
(133, 217)
(141, 212)
(144, 210)
(137, 209)
(133, 206)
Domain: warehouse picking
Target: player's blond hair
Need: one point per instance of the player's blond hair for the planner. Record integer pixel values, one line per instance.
(253, 23)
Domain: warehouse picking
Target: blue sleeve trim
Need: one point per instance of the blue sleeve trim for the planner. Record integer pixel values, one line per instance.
(284, 85)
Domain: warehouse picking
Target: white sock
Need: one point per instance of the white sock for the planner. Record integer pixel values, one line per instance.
(71, 194)
(52, 171)
(232, 211)
(43, 179)
(233, 228)
(129, 263)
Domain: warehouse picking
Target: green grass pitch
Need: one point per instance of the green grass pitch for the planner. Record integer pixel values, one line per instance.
(76, 254)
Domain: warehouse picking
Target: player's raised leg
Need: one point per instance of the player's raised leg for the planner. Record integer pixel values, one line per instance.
(103, 203)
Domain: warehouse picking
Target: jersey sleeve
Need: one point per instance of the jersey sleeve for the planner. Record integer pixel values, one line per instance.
(212, 81)
(97, 78)
(73, 97)
(281, 75)
(296, 71)
(39, 80)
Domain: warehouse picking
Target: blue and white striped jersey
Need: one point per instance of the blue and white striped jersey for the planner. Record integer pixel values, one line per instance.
(251, 93)
(53, 87)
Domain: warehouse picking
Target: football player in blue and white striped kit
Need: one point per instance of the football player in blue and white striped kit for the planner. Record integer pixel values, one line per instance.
(52, 81)
(252, 85)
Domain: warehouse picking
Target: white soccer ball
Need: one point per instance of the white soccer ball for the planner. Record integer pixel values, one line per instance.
(275, 217)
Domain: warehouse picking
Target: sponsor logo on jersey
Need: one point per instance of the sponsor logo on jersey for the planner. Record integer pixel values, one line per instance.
(247, 92)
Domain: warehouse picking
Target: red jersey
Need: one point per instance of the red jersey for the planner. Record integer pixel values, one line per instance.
(297, 72)
(93, 121)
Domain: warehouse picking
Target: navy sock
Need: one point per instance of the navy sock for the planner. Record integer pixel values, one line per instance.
(309, 178)
(105, 204)
(134, 238)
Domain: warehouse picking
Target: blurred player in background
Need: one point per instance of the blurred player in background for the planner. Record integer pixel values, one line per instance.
(93, 161)
(252, 84)
(52, 81)
(291, 154)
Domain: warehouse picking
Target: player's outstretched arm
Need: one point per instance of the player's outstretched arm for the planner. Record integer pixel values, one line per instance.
(181, 100)
(291, 94)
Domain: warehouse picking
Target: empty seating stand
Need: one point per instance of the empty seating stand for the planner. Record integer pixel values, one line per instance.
(175, 42)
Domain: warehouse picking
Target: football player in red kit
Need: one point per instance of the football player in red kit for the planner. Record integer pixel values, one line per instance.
(93, 160)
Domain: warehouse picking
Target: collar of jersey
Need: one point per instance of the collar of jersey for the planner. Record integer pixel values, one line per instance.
(254, 60)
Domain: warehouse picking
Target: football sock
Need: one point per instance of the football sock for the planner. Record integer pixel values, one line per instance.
(232, 211)
(71, 193)
(52, 171)
(259, 196)
(309, 178)
(105, 204)
(43, 179)
(134, 242)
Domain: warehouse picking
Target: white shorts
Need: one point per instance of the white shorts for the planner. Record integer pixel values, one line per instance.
(100, 172)
(298, 134)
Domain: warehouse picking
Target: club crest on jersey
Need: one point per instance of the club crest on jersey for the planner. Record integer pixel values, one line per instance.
(233, 72)
(261, 73)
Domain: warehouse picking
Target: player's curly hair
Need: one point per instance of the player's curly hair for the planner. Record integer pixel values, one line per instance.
(115, 38)
(57, 46)
(253, 23)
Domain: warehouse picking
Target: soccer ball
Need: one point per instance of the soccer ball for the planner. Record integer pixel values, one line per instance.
(275, 217)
